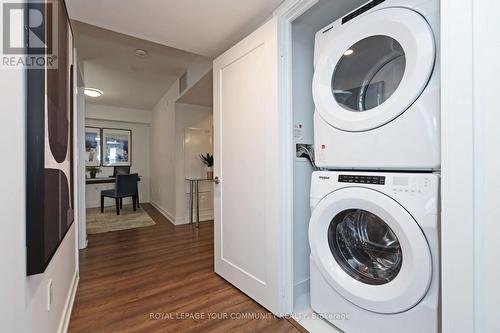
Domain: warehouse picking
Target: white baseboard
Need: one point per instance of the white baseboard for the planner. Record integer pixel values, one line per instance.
(170, 217)
(207, 215)
(68, 306)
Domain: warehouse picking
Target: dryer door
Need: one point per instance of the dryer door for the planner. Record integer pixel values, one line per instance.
(370, 250)
(373, 68)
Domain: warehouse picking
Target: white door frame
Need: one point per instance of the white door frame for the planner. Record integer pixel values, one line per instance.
(79, 148)
(286, 14)
(457, 192)
(457, 241)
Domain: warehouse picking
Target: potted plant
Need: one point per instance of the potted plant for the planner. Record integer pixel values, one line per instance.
(208, 160)
(93, 171)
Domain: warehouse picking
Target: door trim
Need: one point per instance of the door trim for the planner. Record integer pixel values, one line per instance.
(286, 14)
(457, 167)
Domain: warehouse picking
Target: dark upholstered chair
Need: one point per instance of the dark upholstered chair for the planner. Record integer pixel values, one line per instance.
(126, 186)
(121, 170)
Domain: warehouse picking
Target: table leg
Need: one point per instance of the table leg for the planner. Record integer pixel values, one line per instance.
(197, 205)
(191, 194)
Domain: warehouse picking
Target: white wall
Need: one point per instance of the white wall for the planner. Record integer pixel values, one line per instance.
(23, 299)
(487, 165)
(140, 159)
(163, 153)
(190, 116)
(457, 138)
(113, 113)
(167, 158)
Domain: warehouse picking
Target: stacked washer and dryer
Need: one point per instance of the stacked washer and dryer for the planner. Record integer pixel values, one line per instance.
(374, 229)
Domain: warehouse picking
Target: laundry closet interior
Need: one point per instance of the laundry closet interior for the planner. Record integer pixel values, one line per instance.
(303, 31)
(406, 78)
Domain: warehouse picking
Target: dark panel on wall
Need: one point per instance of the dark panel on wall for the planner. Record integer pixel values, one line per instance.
(58, 96)
(35, 162)
(49, 143)
(57, 206)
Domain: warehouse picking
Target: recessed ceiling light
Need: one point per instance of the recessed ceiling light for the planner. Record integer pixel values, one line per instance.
(91, 92)
(141, 53)
(348, 52)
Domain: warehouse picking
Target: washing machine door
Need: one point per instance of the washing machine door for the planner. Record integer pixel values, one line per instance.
(373, 68)
(370, 250)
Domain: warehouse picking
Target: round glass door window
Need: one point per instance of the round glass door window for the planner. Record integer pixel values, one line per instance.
(365, 246)
(368, 73)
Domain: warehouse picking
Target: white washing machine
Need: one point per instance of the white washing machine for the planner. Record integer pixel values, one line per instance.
(374, 251)
(376, 88)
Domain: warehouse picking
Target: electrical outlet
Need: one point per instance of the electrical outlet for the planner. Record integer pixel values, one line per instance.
(50, 294)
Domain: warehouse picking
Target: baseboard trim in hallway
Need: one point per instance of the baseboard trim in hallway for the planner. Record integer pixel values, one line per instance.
(68, 307)
(170, 217)
(161, 279)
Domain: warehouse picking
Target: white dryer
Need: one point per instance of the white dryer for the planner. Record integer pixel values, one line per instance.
(374, 251)
(376, 88)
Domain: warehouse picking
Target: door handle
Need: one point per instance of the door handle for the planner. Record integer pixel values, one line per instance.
(216, 180)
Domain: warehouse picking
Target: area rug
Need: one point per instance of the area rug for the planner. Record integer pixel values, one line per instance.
(98, 223)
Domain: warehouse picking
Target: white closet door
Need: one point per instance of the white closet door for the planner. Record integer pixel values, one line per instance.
(246, 131)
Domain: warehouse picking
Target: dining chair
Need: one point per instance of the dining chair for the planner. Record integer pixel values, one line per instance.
(121, 170)
(126, 186)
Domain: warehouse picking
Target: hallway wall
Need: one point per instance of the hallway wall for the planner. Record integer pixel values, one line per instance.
(23, 300)
(163, 141)
(199, 117)
(163, 153)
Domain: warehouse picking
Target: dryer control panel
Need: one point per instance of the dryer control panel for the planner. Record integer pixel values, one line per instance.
(361, 10)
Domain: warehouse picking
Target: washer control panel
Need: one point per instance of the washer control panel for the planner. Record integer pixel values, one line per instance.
(412, 185)
(358, 179)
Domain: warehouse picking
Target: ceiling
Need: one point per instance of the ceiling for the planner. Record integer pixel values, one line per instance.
(205, 27)
(111, 65)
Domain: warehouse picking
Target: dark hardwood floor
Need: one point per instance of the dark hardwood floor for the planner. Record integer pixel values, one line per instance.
(161, 279)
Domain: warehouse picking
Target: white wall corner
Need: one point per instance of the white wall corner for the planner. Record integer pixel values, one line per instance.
(169, 216)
